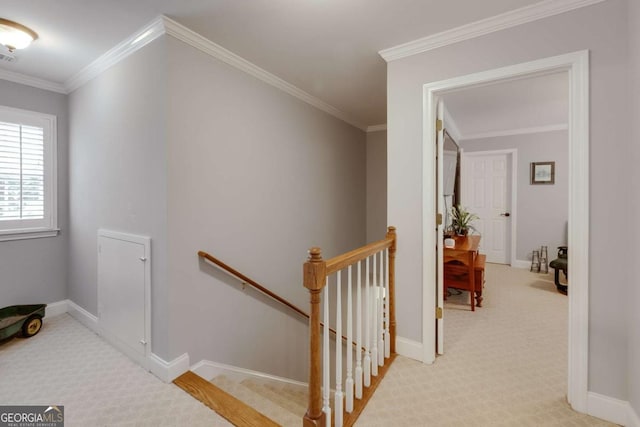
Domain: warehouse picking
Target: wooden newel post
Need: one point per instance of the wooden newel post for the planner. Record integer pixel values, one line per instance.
(391, 234)
(315, 273)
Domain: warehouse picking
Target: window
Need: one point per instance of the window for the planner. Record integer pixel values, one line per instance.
(27, 174)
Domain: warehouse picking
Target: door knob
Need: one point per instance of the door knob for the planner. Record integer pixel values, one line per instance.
(505, 214)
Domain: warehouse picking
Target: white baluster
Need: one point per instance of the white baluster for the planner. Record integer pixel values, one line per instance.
(349, 381)
(387, 336)
(374, 322)
(359, 333)
(338, 397)
(326, 390)
(379, 308)
(367, 326)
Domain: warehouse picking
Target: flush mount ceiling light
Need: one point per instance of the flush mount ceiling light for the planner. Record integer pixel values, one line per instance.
(15, 36)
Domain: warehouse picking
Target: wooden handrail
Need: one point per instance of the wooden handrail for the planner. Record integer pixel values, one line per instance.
(249, 281)
(253, 283)
(342, 261)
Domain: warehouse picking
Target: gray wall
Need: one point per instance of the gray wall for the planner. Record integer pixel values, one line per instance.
(35, 270)
(634, 196)
(601, 28)
(117, 167)
(376, 185)
(256, 177)
(542, 210)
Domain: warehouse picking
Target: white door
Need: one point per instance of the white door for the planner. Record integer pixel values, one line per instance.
(123, 292)
(486, 193)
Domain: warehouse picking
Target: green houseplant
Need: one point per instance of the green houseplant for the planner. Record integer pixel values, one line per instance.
(461, 220)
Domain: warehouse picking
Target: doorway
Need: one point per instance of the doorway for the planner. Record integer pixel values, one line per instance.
(577, 66)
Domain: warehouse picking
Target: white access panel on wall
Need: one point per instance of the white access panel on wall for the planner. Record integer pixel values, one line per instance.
(124, 292)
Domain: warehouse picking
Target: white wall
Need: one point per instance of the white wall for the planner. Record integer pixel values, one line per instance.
(376, 185)
(542, 210)
(634, 196)
(117, 168)
(601, 28)
(256, 177)
(35, 270)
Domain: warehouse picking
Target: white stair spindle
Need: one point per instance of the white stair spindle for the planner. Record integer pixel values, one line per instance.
(387, 336)
(379, 309)
(326, 388)
(338, 397)
(367, 327)
(349, 381)
(373, 302)
(359, 332)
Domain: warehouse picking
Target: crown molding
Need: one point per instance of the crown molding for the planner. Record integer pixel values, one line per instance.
(512, 132)
(205, 45)
(116, 54)
(163, 25)
(377, 128)
(32, 81)
(505, 20)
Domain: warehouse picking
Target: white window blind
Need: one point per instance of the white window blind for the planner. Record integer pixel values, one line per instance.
(27, 174)
(21, 171)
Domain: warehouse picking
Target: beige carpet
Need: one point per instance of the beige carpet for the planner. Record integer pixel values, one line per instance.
(504, 365)
(66, 364)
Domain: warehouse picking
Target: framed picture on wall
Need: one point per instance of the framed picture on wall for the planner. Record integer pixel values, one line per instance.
(543, 172)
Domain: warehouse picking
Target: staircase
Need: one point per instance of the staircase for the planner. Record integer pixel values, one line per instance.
(249, 402)
(367, 350)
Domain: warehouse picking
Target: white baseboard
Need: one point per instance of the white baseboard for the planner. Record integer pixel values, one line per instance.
(632, 417)
(519, 263)
(82, 316)
(209, 370)
(57, 308)
(168, 371)
(409, 348)
(609, 409)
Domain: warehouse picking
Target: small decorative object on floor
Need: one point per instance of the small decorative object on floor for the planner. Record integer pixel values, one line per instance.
(535, 262)
(544, 260)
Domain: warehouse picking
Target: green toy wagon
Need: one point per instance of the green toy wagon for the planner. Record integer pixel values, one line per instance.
(21, 318)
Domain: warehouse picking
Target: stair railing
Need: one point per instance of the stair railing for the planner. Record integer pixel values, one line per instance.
(251, 282)
(248, 281)
(375, 295)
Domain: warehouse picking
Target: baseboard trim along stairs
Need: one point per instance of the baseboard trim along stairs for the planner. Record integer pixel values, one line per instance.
(252, 400)
(233, 410)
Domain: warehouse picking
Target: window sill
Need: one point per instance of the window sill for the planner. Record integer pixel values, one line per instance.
(27, 234)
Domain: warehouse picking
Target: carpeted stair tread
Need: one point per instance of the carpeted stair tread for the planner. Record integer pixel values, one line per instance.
(297, 406)
(260, 403)
(295, 393)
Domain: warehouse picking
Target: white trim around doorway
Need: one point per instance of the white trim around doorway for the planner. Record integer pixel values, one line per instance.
(577, 65)
(513, 158)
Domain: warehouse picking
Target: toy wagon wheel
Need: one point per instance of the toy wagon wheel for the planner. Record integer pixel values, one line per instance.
(32, 325)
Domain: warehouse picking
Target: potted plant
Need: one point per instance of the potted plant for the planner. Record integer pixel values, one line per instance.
(461, 220)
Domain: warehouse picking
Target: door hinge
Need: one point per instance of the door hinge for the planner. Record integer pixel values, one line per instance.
(439, 219)
(438, 125)
(438, 312)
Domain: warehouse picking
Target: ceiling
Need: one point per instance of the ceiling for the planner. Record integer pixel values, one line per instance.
(328, 48)
(512, 107)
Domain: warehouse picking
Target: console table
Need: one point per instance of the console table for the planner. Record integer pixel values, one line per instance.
(464, 268)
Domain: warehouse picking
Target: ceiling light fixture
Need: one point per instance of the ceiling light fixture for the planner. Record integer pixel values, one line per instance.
(15, 36)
